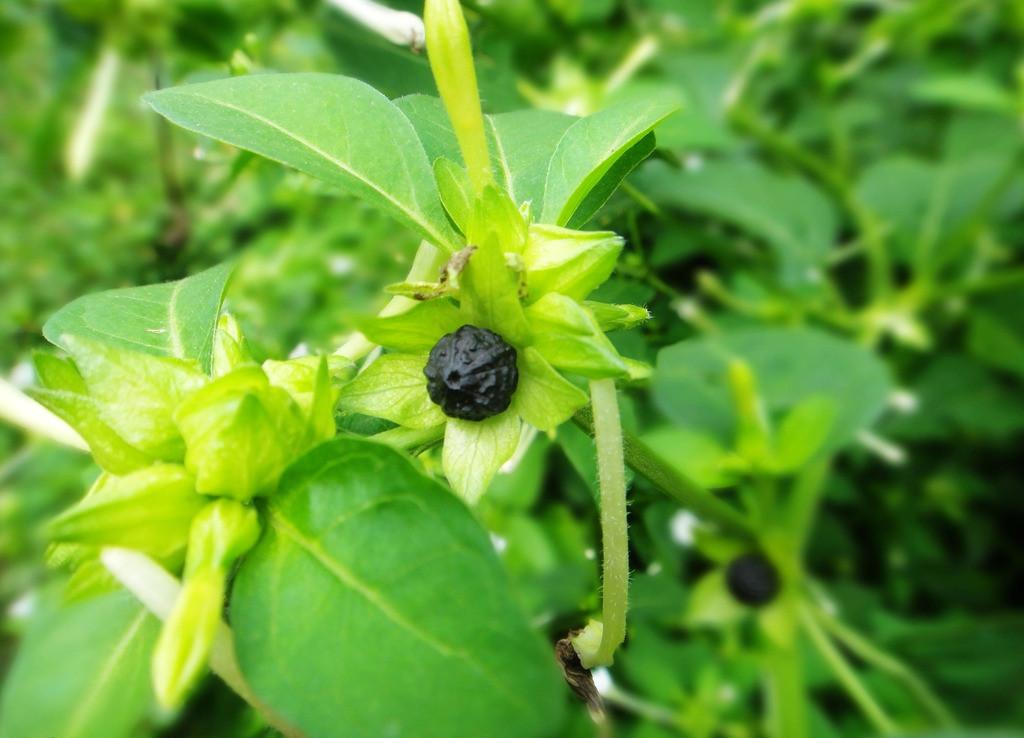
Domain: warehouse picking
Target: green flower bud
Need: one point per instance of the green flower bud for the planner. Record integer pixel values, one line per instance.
(149, 510)
(314, 382)
(451, 61)
(229, 347)
(240, 432)
(572, 263)
(187, 636)
(222, 531)
(617, 317)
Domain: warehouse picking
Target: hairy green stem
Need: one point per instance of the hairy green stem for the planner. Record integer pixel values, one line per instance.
(673, 483)
(846, 675)
(611, 474)
(886, 662)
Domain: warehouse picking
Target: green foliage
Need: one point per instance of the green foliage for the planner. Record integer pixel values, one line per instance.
(81, 670)
(361, 548)
(816, 247)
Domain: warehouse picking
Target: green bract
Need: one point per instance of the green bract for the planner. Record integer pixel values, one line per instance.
(551, 331)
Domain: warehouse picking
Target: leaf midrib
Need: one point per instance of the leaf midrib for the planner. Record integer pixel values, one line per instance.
(81, 714)
(426, 226)
(348, 579)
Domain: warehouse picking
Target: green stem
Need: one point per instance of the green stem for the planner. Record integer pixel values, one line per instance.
(787, 713)
(611, 474)
(877, 716)
(674, 484)
(886, 662)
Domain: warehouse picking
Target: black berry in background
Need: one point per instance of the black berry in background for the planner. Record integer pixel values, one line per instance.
(472, 373)
(752, 579)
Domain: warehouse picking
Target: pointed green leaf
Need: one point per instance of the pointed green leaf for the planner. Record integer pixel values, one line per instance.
(149, 510)
(343, 613)
(588, 154)
(415, 330)
(544, 398)
(395, 388)
(568, 336)
(334, 128)
(137, 393)
(175, 319)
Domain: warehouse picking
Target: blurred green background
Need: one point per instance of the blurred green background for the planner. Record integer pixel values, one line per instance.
(852, 166)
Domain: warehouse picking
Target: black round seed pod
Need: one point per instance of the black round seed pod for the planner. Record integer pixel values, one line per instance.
(752, 579)
(472, 373)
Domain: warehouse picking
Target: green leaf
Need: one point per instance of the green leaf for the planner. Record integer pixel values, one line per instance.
(568, 336)
(544, 398)
(150, 510)
(790, 364)
(331, 127)
(522, 144)
(586, 157)
(430, 121)
(375, 605)
(81, 412)
(711, 603)
(489, 288)
(570, 262)
(475, 450)
(788, 213)
(174, 319)
(82, 670)
(395, 388)
(974, 92)
(456, 191)
(699, 456)
(415, 330)
(804, 431)
(137, 393)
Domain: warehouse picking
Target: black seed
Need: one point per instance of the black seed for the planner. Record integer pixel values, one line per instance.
(752, 579)
(472, 373)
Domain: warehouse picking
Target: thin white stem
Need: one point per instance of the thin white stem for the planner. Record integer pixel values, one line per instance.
(81, 146)
(611, 473)
(158, 590)
(397, 26)
(19, 409)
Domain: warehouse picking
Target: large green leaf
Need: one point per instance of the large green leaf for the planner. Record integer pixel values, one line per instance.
(335, 128)
(428, 117)
(586, 155)
(790, 364)
(786, 212)
(176, 319)
(375, 605)
(82, 671)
